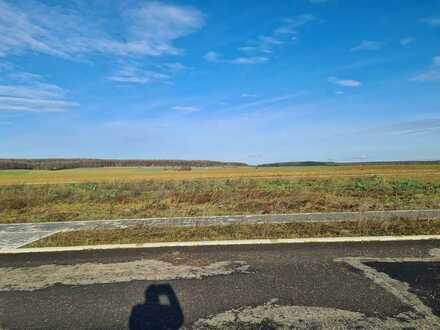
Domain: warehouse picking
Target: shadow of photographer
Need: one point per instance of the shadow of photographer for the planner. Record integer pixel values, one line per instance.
(161, 310)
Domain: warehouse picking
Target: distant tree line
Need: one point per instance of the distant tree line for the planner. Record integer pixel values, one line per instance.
(313, 163)
(62, 163)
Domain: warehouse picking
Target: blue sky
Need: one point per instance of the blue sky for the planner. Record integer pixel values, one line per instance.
(252, 81)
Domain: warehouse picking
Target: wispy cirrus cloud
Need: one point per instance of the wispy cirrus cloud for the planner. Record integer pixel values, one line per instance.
(416, 127)
(148, 29)
(133, 74)
(174, 67)
(33, 105)
(215, 57)
(259, 49)
(35, 98)
(185, 108)
(27, 92)
(367, 45)
(344, 82)
(433, 74)
(249, 60)
(291, 26)
(286, 33)
(264, 102)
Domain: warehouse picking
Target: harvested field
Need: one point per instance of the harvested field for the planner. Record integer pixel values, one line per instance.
(13, 177)
(410, 187)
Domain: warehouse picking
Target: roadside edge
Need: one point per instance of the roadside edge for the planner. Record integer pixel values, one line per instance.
(223, 243)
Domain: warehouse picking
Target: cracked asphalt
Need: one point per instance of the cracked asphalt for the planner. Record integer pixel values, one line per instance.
(236, 287)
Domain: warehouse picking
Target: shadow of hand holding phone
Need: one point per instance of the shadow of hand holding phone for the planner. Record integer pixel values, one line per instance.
(161, 310)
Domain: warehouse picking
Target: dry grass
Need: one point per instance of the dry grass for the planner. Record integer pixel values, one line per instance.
(146, 234)
(14, 177)
(155, 198)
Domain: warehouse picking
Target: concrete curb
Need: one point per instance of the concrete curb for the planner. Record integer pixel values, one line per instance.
(226, 243)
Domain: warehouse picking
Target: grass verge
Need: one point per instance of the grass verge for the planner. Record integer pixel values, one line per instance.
(150, 234)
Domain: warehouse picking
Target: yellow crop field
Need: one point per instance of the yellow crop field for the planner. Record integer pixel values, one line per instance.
(11, 177)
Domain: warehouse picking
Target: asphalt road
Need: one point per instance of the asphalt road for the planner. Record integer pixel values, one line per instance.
(364, 285)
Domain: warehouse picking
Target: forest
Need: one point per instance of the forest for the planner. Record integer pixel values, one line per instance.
(54, 164)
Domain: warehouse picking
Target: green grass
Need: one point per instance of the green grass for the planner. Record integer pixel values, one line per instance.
(146, 234)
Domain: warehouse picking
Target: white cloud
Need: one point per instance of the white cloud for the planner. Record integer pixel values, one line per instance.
(339, 93)
(149, 29)
(264, 102)
(34, 91)
(407, 41)
(158, 24)
(259, 49)
(132, 72)
(367, 45)
(212, 56)
(431, 21)
(31, 99)
(217, 58)
(25, 77)
(248, 95)
(135, 75)
(291, 25)
(349, 83)
(35, 105)
(32, 94)
(174, 67)
(185, 109)
(247, 49)
(270, 40)
(249, 60)
(344, 82)
(433, 74)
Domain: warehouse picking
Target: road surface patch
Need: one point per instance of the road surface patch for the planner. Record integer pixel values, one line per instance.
(40, 277)
(376, 270)
(414, 281)
(423, 279)
(272, 316)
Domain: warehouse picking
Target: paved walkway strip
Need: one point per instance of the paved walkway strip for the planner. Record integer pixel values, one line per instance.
(13, 236)
(318, 240)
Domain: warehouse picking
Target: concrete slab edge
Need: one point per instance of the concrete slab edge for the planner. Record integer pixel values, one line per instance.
(424, 214)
